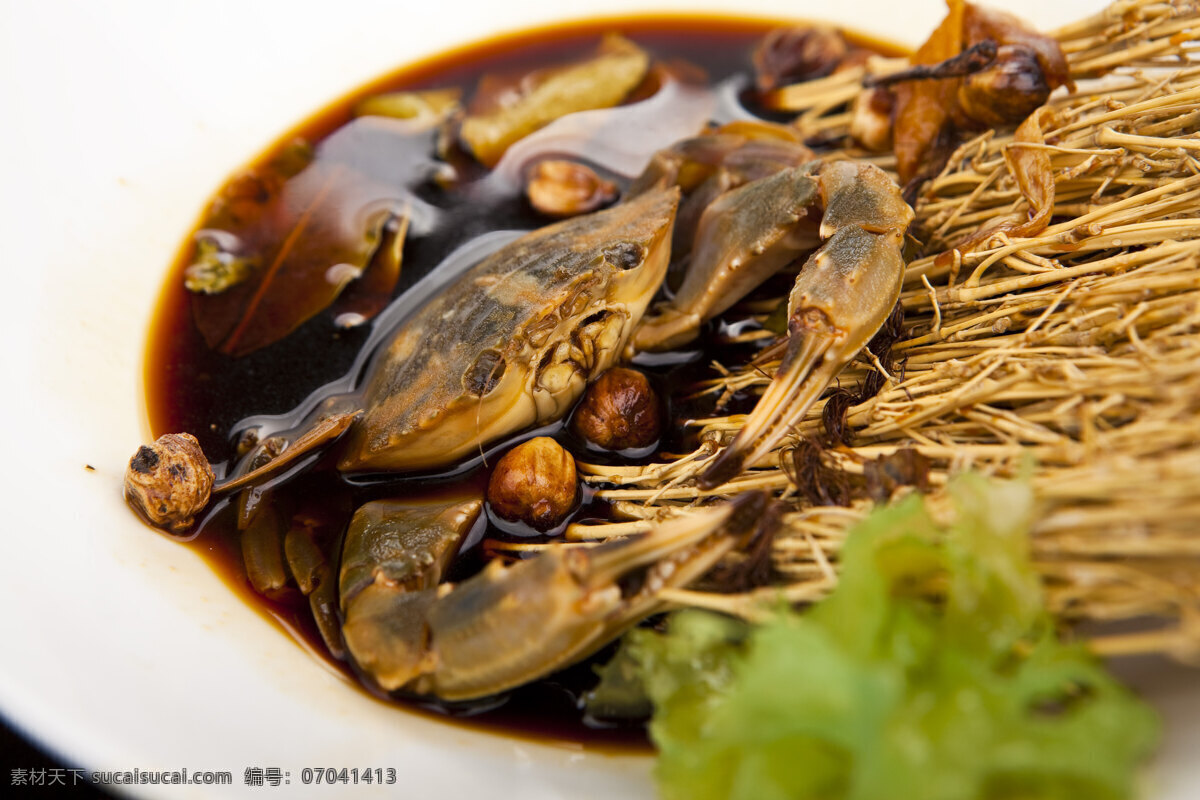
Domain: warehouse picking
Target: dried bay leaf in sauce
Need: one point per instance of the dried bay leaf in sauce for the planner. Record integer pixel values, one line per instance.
(507, 109)
(313, 232)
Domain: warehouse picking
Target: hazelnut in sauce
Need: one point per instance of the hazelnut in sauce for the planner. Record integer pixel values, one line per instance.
(560, 188)
(801, 53)
(534, 483)
(620, 410)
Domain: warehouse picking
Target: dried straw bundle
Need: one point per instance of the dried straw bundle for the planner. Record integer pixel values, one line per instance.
(1074, 341)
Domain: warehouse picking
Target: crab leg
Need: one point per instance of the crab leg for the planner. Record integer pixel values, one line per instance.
(842, 296)
(743, 238)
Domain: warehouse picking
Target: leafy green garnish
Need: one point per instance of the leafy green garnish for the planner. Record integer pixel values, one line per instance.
(932, 672)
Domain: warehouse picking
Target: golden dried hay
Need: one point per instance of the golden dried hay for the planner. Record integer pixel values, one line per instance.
(1078, 346)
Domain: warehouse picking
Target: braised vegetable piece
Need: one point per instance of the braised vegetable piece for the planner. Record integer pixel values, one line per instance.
(503, 110)
(791, 55)
(426, 108)
(560, 188)
(214, 270)
(619, 410)
(534, 483)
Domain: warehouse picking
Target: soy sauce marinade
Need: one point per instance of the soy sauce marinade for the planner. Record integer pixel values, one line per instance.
(195, 389)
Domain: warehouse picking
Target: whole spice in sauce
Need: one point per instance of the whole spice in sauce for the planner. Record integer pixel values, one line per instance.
(802, 53)
(534, 483)
(170, 481)
(619, 410)
(561, 188)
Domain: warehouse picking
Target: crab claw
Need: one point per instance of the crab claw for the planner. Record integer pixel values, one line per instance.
(510, 625)
(395, 553)
(842, 296)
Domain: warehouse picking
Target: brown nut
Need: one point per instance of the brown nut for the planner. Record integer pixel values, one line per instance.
(170, 481)
(792, 55)
(534, 483)
(619, 410)
(559, 188)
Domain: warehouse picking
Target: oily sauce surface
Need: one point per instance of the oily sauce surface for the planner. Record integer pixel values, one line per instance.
(196, 389)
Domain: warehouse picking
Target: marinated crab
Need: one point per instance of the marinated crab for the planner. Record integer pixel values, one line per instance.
(513, 343)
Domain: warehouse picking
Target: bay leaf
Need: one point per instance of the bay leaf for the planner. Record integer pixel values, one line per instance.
(310, 234)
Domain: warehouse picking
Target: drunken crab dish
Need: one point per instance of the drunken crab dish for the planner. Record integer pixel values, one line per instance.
(663, 388)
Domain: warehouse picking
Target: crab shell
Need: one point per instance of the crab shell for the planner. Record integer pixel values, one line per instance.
(514, 341)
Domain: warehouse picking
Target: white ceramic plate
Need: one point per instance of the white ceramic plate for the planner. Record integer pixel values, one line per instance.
(121, 649)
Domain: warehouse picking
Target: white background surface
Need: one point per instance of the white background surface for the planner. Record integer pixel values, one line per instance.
(118, 648)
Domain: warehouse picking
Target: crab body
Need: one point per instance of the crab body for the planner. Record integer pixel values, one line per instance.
(515, 340)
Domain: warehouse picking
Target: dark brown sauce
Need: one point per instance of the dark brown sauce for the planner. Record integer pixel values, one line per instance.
(193, 388)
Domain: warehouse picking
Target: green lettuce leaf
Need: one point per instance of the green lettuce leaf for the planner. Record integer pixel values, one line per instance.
(932, 672)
